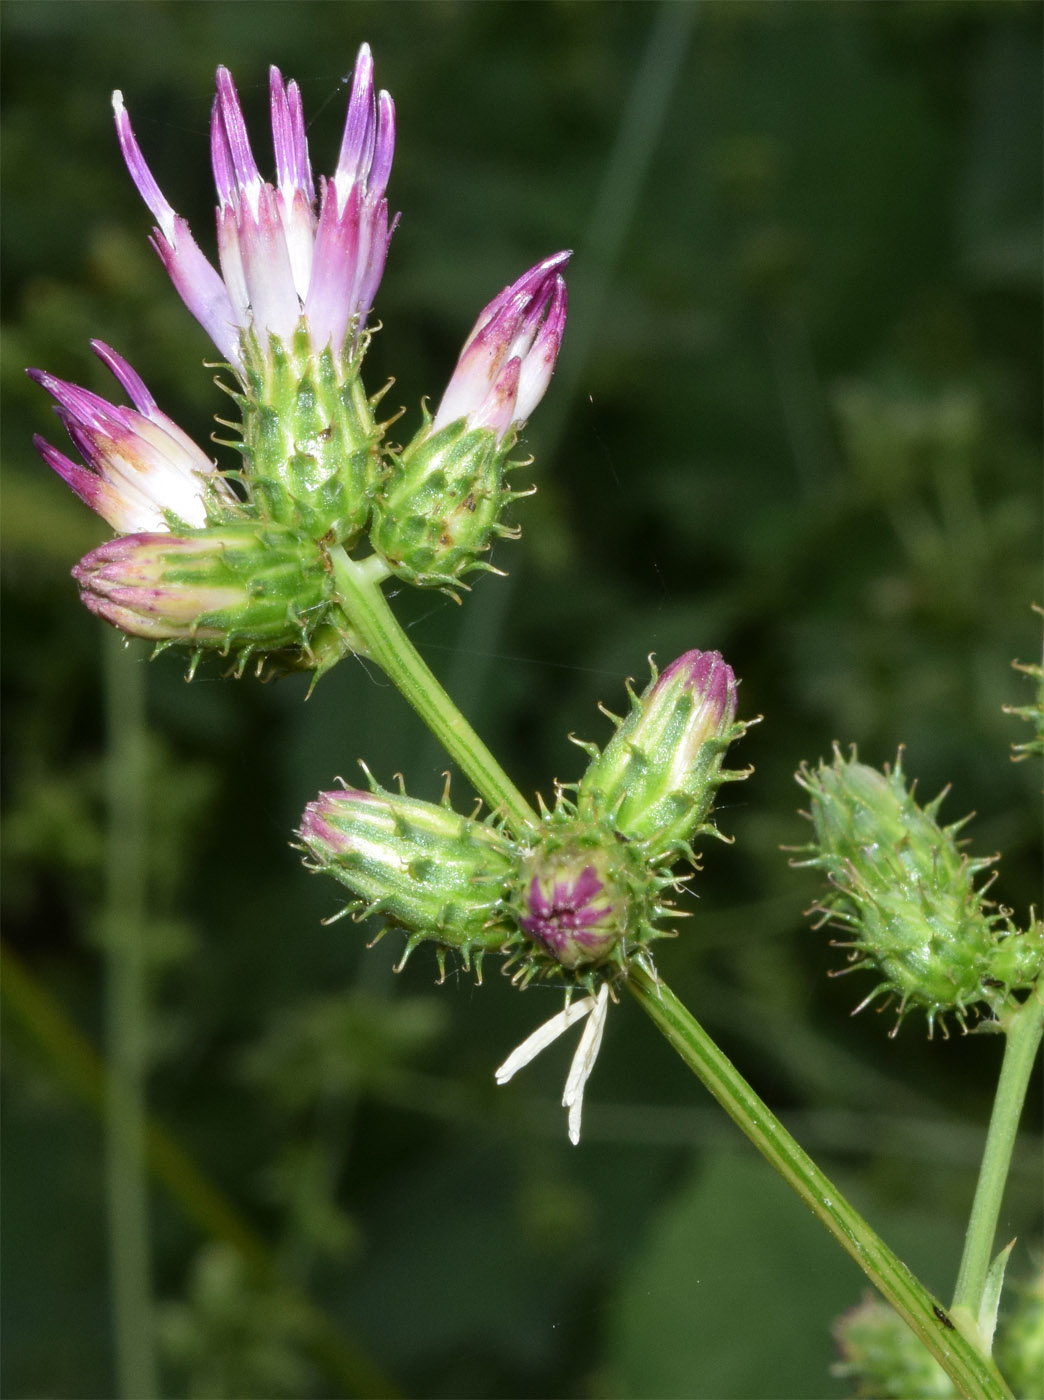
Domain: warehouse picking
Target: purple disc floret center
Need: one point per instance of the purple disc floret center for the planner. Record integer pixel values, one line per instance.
(569, 915)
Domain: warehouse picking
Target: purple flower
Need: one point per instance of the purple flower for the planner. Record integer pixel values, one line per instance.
(141, 468)
(509, 357)
(569, 909)
(280, 259)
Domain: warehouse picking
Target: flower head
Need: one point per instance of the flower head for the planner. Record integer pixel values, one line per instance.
(905, 894)
(141, 468)
(509, 357)
(570, 906)
(280, 258)
(440, 506)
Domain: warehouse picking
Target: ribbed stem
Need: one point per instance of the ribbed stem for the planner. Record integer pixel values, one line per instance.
(973, 1373)
(388, 645)
(1023, 1030)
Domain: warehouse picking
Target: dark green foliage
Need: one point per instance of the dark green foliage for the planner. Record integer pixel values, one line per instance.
(796, 419)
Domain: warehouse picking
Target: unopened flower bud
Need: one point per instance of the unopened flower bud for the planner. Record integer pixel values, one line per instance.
(905, 894)
(242, 586)
(657, 777)
(585, 900)
(439, 508)
(438, 875)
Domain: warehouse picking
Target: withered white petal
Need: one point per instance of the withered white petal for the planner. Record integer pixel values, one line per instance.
(583, 1062)
(543, 1036)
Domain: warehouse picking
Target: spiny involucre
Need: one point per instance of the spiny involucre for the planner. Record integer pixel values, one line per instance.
(905, 894)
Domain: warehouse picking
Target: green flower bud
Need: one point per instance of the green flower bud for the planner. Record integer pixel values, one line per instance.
(241, 586)
(906, 895)
(439, 509)
(438, 875)
(310, 443)
(884, 1358)
(657, 777)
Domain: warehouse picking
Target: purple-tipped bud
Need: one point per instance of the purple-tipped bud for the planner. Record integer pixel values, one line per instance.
(656, 778)
(509, 357)
(280, 258)
(141, 469)
(570, 908)
(437, 874)
(241, 586)
(439, 507)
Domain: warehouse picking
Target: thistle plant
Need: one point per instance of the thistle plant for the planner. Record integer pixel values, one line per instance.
(281, 562)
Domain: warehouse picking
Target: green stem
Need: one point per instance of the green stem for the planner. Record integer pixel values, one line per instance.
(973, 1373)
(388, 645)
(1023, 1028)
(126, 1018)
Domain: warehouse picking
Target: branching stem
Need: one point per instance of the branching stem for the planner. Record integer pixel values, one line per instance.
(388, 645)
(971, 1370)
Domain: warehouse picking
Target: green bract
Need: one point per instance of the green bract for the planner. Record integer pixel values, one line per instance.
(310, 443)
(438, 508)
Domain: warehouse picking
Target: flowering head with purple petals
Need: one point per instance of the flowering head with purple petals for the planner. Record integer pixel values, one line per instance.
(508, 359)
(142, 472)
(286, 302)
(281, 257)
(570, 910)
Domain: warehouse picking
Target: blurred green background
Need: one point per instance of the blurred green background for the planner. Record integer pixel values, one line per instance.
(797, 418)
